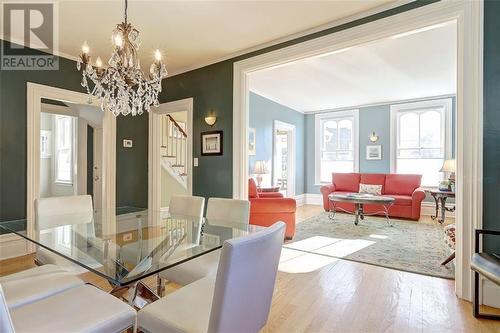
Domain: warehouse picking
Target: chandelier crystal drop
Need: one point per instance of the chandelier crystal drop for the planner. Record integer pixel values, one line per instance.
(122, 86)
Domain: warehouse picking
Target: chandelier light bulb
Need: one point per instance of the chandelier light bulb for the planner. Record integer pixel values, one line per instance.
(118, 40)
(85, 48)
(98, 62)
(157, 55)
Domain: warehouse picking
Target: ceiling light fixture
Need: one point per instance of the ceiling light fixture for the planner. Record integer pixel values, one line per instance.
(122, 87)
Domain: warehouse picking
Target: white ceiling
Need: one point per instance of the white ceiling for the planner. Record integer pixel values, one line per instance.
(195, 33)
(410, 66)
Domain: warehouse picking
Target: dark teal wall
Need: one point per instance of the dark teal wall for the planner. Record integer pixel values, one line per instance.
(131, 174)
(491, 139)
(263, 113)
(212, 86)
(13, 130)
(132, 163)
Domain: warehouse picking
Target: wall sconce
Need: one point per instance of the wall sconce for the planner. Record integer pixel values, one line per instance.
(211, 119)
(374, 137)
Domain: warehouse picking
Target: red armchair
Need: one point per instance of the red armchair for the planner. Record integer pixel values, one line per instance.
(405, 189)
(267, 208)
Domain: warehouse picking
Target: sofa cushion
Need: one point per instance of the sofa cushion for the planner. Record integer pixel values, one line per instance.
(252, 189)
(346, 182)
(401, 200)
(373, 179)
(401, 184)
(371, 189)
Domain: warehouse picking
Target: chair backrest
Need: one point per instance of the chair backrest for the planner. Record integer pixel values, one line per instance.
(228, 210)
(56, 211)
(184, 205)
(6, 325)
(245, 281)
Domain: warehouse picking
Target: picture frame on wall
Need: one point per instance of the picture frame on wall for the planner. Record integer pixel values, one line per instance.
(211, 143)
(251, 142)
(374, 152)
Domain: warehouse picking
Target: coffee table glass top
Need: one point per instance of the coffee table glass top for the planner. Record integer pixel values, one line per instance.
(360, 198)
(142, 243)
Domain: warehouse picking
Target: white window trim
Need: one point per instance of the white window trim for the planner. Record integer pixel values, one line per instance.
(445, 103)
(317, 143)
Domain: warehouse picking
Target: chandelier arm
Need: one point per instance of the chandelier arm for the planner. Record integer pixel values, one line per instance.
(126, 8)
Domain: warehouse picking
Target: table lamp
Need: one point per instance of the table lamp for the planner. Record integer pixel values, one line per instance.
(449, 166)
(260, 169)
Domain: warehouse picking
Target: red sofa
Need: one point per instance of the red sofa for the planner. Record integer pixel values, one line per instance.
(267, 208)
(404, 188)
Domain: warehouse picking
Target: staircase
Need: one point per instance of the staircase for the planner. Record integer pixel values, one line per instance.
(174, 149)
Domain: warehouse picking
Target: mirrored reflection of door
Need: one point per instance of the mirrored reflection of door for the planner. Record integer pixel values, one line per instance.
(71, 139)
(284, 158)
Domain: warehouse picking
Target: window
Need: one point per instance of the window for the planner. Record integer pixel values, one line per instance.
(64, 149)
(336, 144)
(421, 138)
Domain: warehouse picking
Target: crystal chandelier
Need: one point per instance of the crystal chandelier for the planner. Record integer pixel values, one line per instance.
(122, 87)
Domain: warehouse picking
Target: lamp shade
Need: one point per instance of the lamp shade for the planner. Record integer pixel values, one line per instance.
(260, 168)
(448, 166)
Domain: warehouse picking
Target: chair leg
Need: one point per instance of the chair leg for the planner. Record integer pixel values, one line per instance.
(159, 285)
(450, 258)
(475, 304)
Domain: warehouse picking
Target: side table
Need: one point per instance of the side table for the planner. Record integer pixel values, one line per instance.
(440, 198)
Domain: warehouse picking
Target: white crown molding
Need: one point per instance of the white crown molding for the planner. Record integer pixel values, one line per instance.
(284, 39)
(326, 26)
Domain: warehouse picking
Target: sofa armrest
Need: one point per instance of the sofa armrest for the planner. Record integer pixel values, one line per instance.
(327, 189)
(273, 205)
(418, 195)
(270, 195)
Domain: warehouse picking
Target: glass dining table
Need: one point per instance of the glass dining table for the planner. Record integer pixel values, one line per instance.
(142, 243)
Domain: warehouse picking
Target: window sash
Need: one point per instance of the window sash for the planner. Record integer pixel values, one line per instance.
(63, 146)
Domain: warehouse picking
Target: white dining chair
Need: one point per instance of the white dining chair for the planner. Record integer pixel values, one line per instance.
(82, 309)
(186, 205)
(59, 211)
(22, 291)
(222, 212)
(31, 272)
(238, 300)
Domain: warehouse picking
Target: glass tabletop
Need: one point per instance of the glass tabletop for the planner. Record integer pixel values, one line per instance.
(141, 244)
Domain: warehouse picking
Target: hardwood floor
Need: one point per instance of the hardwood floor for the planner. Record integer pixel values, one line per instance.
(318, 294)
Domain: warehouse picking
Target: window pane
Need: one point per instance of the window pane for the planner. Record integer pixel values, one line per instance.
(430, 129)
(408, 153)
(428, 168)
(345, 128)
(432, 153)
(330, 135)
(345, 156)
(327, 167)
(408, 130)
(64, 165)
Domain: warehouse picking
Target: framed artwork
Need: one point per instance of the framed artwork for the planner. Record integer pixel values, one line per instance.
(374, 152)
(45, 144)
(211, 143)
(251, 141)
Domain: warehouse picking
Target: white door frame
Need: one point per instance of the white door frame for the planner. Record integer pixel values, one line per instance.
(291, 143)
(469, 17)
(35, 93)
(154, 137)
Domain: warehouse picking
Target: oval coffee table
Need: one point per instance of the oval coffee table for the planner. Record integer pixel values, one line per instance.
(360, 199)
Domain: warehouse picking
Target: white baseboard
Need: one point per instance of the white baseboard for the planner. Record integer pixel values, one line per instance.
(314, 199)
(300, 199)
(12, 246)
(491, 294)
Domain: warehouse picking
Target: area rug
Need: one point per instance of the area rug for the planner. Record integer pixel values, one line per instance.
(410, 246)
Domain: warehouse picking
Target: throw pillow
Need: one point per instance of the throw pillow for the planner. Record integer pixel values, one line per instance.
(371, 189)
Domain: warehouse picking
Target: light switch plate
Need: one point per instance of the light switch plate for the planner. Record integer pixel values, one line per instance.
(127, 143)
(195, 161)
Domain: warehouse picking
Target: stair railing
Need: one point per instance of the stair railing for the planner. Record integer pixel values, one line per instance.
(174, 143)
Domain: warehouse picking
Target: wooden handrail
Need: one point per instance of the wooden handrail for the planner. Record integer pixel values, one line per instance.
(177, 125)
